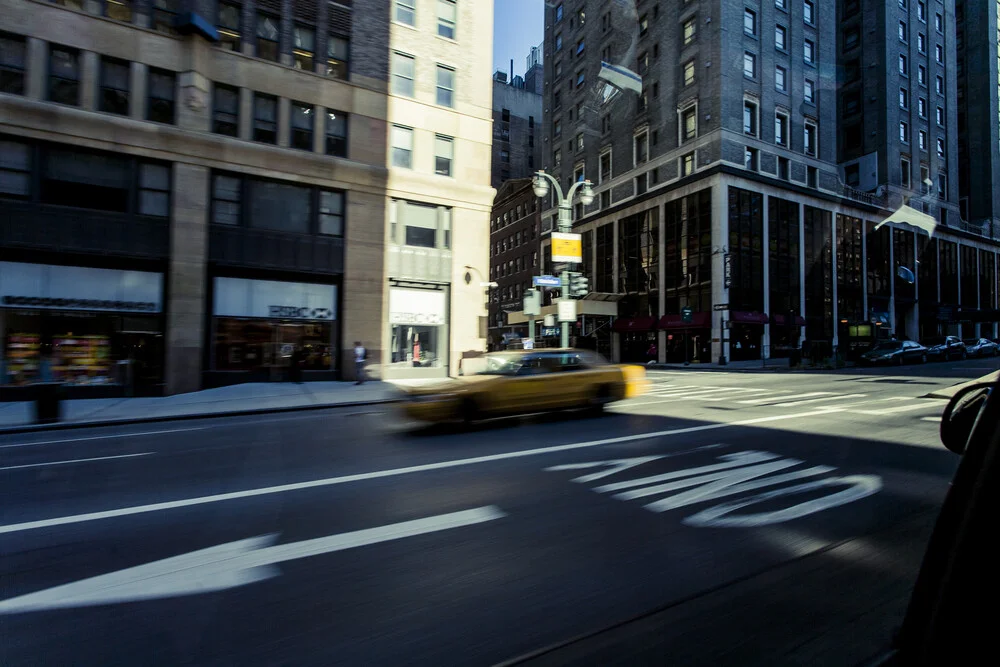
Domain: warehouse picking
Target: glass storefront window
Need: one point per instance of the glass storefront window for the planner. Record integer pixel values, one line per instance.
(419, 346)
(246, 344)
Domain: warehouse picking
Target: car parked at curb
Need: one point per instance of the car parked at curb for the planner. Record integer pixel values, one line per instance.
(895, 352)
(981, 347)
(945, 348)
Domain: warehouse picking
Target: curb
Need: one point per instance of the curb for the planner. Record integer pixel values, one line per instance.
(63, 426)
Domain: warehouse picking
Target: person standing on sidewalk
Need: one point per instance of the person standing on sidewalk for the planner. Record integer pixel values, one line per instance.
(360, 355)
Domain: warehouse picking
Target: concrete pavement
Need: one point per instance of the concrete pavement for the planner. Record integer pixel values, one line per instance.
(755, 534)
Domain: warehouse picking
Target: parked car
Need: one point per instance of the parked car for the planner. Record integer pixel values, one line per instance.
(527, 381)
(945, 348)
(981, 347)
(896, 352)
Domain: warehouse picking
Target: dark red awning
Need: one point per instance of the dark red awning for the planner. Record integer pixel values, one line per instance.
(675, 321)
(626, 324)
(782, 320)
(745, 317)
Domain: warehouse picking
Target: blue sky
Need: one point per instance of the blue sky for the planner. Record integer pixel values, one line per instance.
(517, 26)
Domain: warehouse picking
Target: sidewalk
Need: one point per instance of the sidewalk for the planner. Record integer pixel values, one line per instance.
(252, 398)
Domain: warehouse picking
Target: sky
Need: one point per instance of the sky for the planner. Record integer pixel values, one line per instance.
(517, 26)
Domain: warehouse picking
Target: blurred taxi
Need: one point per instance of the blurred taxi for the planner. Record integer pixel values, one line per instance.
(527, 381)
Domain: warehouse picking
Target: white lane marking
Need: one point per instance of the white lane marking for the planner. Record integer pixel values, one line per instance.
(931, 419)
(758, 401)
(226, 565)
(729, 461)
(62, 463)
(380, 474)
(102, 437)
(669, 391)
(814, 400)
(905, 408)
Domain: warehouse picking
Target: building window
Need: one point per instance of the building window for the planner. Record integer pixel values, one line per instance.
(904, 65)
(402, 147)
(939, 85)
(604, 173)
(444, 153)
(114, 86)
(809, 12)
(559, 13)
(922, 140)
(268, 35)
(689, 30)
(445, 86)
(12, 55)
(781, 129)
(15, 169)
(940, 116)
(160, 97)
(331, 213)
(780, 4)
(402, 74)
(406, 12)
(581, 77)
(579, 142)
(922, 107)
(925, 180)
(689, 73)
(164, 15)
(749, 65)
(226, 196)
(640, 148)
(939, 54)
(447, 17)
(904, 131)
(921, 42)
(302, 126)
(226, 110)
(119, 10)
(922, 75)
(904, 172)
(265, 118)
(557, 128)
(922, 10)
(556, 158)
(749, 118)
(228, 25)
(940, 147)
(336, 133)
(304, 48)
(558, 42)
(64, 75)
(903, 31)
(689, 124)
(942, 186)
(810, 138)
(687, 164)
(750, 22)
(154, 190)
(580, 46)
(809, 52)
(810, 91)
(939, 23)
(750, 158)
(337, 54)
(779, 37)
(780, 79)
(904, 98)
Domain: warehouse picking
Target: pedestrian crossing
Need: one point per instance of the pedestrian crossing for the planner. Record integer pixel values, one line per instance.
(666, 391)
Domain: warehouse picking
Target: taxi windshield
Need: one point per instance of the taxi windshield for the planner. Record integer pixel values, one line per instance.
(503, 364)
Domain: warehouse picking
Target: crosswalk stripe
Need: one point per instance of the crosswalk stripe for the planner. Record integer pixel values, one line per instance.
(685, 392)
(712, 395)
(905, 408)
(814, 400)
(773, 397)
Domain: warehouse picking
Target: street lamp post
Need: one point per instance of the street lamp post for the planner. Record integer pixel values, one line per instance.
(540, 185)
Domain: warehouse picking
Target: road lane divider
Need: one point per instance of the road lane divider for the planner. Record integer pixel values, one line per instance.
(101, 437)
(69, 461)
(395, 472)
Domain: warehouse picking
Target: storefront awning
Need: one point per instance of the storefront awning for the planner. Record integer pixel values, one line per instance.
(782, 320)
(676, 321)
(745, 317)
(627, 324)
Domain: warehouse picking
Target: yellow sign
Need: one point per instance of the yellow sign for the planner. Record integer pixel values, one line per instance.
(566, 248)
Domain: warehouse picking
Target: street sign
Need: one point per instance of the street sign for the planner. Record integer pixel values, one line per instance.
(686, 314)
(720, 306)
(532, 302)
(527, 344)
(550, 331)
(550, 320)
(727, 271)
(567, 310)
(546, 281)
(567, 248)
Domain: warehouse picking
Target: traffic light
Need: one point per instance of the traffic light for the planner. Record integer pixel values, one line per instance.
(579, 285)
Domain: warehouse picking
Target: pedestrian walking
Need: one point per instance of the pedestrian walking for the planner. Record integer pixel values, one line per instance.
(360, 356)
(295, 366)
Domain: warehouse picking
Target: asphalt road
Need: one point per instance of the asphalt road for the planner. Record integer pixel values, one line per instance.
(722, 519)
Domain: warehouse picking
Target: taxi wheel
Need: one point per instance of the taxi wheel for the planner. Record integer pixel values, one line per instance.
(601, 398)
(469, 411)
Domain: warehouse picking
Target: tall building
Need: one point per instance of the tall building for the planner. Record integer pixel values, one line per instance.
(722, 226)
(514, 235)
(517, 115)
(205, 187)
(534, 73)
(977, 24)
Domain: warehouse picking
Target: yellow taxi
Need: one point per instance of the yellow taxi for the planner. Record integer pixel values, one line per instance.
(524, 381)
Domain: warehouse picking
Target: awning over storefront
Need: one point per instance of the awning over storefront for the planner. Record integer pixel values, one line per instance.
(782, 320)
(629, 324)
(745, 317)
(676, 321)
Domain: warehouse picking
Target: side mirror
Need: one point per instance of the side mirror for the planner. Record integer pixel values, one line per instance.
(960, 416)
